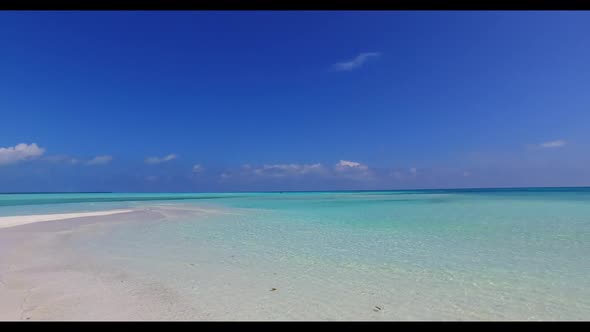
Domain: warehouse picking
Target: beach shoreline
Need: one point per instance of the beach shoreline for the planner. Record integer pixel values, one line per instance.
(44, 276)
(13, 221)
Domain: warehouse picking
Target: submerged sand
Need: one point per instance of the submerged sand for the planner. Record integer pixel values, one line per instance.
(126, 266)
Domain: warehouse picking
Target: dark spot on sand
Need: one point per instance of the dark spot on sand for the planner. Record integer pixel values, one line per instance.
(273, 289)
(377, 309)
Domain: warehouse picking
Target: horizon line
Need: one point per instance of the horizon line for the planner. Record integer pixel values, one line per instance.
(280, 191)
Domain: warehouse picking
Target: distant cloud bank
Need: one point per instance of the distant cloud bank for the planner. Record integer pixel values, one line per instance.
(357, 62)
(288, 169)
(20, 152)
(273, 171)
(339, 173)
(343, 169)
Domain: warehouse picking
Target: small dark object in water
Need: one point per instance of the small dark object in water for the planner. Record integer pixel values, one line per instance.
(273, 289)
(377, 309)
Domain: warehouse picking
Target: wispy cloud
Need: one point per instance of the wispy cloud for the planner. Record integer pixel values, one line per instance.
(552, 144)
(100, 160)
(274, 171)
(20, 152)
(358, 61)
(546, 145)
(62, 159)
(156, 160)
(197, 168)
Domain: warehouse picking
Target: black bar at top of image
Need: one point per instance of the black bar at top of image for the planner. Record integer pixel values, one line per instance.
(295, 5)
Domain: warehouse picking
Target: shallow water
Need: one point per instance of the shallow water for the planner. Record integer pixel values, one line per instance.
(447, 254)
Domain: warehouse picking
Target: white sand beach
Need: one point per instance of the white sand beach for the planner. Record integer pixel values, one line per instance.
(43, 278)
(13, 221)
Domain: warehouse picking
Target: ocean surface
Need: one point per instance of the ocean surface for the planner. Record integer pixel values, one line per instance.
(466, 254)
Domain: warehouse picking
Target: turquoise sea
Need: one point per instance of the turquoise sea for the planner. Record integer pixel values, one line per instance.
(472, 254)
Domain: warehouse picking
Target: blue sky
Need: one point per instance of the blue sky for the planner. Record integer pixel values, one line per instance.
(226, 101)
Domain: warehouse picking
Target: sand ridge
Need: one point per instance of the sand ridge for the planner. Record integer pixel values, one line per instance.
(13, 221)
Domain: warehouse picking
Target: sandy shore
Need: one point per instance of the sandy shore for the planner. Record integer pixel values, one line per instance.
(50, 272)
(43, 276)
(29, 219)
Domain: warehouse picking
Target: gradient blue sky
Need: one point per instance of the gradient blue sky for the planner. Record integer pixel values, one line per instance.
(132, 101)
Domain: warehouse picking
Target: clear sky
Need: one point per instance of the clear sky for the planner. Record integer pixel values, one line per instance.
(233, 101)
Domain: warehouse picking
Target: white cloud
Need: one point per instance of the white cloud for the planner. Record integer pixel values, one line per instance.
(278, 170)
(198, 168)
(100, 160)
(552, 144)
(269, 171)
(156, 160)
(345, 165)
(19, 152)
(353, 170)
(358, 61)
(298, 168)
(344, 169)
